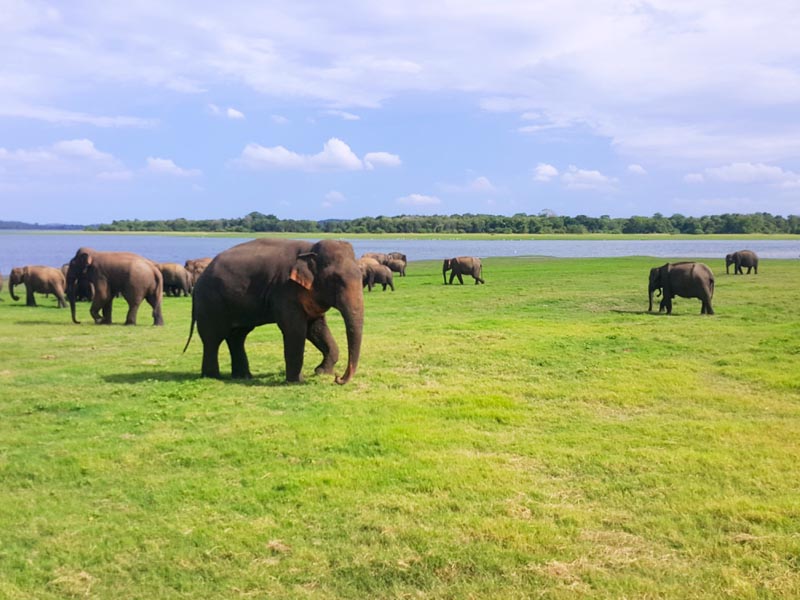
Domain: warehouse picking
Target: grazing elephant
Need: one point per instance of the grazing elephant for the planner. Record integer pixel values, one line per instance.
(742, 258)
(196, 266)
(397, 256)
(686, 279)
(83, 288)
(39, 279)
(130, 275)
(379, 256)
(373, 272)
(177, 279)
(397, 266)
(463, 265)
(292, 283)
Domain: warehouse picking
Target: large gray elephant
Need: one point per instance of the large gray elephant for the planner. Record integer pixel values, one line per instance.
(177, 280)
(292, 283)
(463, 265)
(83, 288)
(741, 258)
(685, 279)
(39, 279)
(129, 275)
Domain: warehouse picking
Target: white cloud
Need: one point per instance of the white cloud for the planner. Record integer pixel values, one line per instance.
(66, 117)
(478, 185)
(747, 173)
(230, 112)
(77, 157)
(381, 159)
(582, 179)
(637, 169)
(544, 172)
(344, 115)
(165, 166)
(419, 200)
(279, 119)
(694, 178)
(333, 197)
(336, 155)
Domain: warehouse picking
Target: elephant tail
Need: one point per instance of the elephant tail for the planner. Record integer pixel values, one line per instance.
(191, 329)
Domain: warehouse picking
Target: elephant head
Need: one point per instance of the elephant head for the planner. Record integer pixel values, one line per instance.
(730, 259)
(77, 266)
(447, 264)
(659, 280)
(330, 276)
(17, 277)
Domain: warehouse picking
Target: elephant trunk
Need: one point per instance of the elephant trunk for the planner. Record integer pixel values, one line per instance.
(650, 291)
(445, 268)
(11, 283)
(352, 309)
(72, 291)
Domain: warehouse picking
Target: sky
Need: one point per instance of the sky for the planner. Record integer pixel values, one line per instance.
(320, 110)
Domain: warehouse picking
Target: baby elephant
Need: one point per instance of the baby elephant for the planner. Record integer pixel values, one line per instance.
(39, 279)
(742, 258)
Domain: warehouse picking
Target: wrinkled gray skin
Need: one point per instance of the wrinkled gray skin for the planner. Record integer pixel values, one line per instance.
(685, 279)
(129, 275)
(463, 265)
(292, 283)
(742, 258)
(177, 279)
(39, 279)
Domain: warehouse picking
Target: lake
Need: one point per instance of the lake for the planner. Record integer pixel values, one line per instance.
(18, 248)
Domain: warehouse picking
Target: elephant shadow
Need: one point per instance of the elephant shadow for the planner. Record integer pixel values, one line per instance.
(645, 312)
(266, 380)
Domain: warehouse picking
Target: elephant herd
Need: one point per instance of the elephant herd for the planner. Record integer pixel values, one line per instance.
(99, 277)
(694, 280)
(291, 283)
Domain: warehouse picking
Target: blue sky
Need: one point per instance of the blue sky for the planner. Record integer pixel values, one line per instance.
(318, 110)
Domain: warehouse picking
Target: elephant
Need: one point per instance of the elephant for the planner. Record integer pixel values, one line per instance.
(686, 279)
(291, 283)
(83, 289)
(742, 258)
(379, 256)
(177, 279)
(373, 272)
(39, 279)
(463, 265)
(396, 265)
(130, 275)
(196, 266)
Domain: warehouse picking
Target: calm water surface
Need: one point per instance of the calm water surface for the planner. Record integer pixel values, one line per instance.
(27, 248)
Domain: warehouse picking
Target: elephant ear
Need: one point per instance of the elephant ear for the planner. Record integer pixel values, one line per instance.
(303, 270)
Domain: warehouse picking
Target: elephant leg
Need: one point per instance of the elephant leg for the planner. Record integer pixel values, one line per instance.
(460, 278)
(294, 329)
(240, 366)
(320, 335)
(133, 309)
(210, 367)
(29, 299)
(94, 310)
(153, 300)
(62, 303)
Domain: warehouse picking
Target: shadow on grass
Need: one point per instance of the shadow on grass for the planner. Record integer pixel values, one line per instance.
(647, 312)
(266, 380)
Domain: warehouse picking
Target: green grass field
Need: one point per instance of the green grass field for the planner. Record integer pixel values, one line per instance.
(538, 436)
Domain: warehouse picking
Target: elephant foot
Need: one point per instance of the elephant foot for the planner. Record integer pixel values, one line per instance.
(323, 370)
(242, 375)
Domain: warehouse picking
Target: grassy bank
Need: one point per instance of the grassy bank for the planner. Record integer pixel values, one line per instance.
(539, 436)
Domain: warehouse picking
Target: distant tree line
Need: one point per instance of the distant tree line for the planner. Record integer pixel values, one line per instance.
(36, 226)
(544, 222)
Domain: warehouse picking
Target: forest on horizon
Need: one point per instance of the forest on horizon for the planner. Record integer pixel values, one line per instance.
(545, 222)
